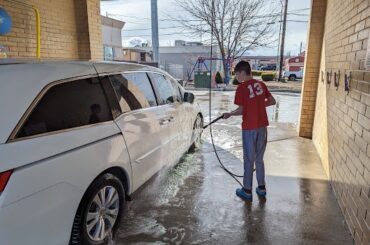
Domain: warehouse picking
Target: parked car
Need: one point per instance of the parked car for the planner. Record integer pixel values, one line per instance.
(268, 68)
(77, 139)
(293, 75)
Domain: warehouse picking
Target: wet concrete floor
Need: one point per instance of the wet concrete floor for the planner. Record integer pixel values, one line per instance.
(195, 203)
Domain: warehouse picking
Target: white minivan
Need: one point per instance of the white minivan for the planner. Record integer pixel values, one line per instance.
(78, 138)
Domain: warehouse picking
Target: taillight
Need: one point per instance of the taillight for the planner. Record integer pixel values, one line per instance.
(4, 177)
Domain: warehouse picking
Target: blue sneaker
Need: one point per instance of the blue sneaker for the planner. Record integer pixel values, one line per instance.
(260, 192)
(243, 195)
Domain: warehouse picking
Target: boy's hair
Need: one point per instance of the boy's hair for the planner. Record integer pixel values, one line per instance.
(243, 66)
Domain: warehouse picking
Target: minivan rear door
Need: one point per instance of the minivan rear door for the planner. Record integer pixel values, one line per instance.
(171, 102)
(144, 124)
(185, 117)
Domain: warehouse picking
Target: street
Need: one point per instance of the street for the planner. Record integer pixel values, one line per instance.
(195, 202)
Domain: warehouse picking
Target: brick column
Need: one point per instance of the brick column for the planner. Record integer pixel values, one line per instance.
(89, 34)
(95, 30)
(312, 67)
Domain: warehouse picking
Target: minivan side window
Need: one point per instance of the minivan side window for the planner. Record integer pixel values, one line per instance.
(68, 105)
(164, 87)
(129, 95)
(176, 88)
(141, 80)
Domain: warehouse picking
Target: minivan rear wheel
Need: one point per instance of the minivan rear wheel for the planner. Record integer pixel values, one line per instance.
(100, 212)
(197, 133)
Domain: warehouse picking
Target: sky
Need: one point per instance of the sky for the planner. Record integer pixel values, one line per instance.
(136, 14)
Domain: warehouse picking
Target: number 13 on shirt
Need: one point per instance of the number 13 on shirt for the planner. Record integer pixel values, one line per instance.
(258, 90)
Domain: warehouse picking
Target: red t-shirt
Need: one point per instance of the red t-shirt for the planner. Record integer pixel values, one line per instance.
(252, 96)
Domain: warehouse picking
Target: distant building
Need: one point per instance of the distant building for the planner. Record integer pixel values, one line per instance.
(137, 55)
(258, 61)
(179, 60)
(112, 38)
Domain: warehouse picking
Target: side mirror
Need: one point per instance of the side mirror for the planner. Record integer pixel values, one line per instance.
(189, 97)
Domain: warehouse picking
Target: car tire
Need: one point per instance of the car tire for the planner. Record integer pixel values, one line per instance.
(292, 77)
(197, 134)
(96, 212)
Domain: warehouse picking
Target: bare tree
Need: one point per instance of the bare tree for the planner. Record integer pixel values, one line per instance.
(238, 25)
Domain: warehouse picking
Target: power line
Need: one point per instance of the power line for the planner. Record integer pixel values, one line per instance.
(175, 27)
(299, 10)
(303, 21)
(148, 29)
(165, 34)
(197, 20)
(298, 14)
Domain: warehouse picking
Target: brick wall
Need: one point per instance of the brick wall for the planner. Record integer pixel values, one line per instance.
(96, 37)
(70, 29)
(340, 126)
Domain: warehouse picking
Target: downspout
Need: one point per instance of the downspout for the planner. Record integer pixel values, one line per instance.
(38, 32)
(38, 26)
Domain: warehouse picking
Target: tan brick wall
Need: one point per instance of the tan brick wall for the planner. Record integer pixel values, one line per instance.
(341, 125)
(66, 31)
(320, 124)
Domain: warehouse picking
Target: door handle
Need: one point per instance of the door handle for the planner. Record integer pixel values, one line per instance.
(164, 121)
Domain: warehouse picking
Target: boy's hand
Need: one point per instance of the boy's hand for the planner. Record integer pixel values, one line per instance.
(226, 115)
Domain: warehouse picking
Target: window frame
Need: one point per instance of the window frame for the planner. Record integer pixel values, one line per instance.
(114, 99)
(36, 101)
(176, 86)
(156, 89)
(142, 56)
(105, 48)
(151, 85)
(116, 102)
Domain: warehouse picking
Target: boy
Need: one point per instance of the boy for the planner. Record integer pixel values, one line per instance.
(252, 97)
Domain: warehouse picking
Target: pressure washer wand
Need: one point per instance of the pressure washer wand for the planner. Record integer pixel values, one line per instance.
(215, 120)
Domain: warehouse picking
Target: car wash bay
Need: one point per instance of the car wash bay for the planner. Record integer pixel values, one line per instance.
(195, 202)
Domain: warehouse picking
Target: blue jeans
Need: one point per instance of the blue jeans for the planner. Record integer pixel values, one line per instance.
(254, 146)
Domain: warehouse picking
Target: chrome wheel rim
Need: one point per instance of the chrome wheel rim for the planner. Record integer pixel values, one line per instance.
(102, 213)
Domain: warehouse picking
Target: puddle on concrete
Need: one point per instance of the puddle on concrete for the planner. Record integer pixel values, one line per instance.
(176, 176)
(144, 216)
(286, 109)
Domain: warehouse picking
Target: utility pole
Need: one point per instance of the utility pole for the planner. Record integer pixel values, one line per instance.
(283, 41)
(300, 49)
(279, 39)
(155, 38)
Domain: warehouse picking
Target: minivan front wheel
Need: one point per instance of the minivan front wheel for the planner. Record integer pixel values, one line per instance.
(100, 212)
(197, 134)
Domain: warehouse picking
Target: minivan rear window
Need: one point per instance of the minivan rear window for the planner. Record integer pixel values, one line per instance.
(68, 105)
(133, 91)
